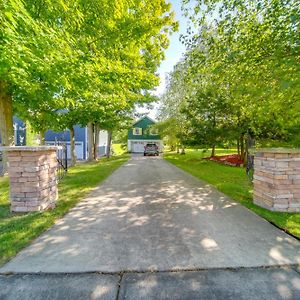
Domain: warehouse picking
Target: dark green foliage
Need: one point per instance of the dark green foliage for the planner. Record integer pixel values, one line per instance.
(94, 60)
(241, 73)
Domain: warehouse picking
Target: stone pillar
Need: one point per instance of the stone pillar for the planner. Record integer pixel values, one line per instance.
(32, 175)
(277, 179)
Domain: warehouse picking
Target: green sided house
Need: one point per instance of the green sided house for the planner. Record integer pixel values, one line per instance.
(141, 133)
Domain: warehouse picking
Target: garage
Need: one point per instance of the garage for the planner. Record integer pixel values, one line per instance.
(78, 148)
(138, 147)
(141, 133)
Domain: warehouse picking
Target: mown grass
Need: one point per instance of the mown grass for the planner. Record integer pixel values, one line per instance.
(17, 230)
(233, 182)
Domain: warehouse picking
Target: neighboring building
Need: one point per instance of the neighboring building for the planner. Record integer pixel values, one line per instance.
(142, 133)
(19, 132)
(81, 141)
(51, 138)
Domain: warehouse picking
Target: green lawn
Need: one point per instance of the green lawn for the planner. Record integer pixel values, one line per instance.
(17, 230)
(206, 152)
(233, 182)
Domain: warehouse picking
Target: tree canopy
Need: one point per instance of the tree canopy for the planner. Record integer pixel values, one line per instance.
(95, 56)
(241, 72)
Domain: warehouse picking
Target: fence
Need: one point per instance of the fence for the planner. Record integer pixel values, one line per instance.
(62, 159)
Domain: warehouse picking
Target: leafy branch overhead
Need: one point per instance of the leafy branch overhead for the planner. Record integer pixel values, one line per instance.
(75, 56)
(241, 73)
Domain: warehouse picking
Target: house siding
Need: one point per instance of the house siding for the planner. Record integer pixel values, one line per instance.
(19, 132)
(64, 136)
(80, 136)
(144, 123)
(136, 143)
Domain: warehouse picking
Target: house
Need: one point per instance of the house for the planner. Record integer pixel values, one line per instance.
(19, 132)
(63, 137)
(52, 138)
(81, 141)
(141, 133)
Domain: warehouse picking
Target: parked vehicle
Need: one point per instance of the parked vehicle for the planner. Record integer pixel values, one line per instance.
(151, 149)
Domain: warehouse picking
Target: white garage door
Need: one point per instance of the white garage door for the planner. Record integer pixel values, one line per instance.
(138, 147)
(78, 148)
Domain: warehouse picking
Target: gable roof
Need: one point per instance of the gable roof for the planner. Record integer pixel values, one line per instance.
(145, 117)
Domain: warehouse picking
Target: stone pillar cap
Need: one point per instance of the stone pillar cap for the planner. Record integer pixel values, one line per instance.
(276, 150)
(29, 148)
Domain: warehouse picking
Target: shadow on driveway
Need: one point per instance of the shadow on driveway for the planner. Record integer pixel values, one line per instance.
(149, 215)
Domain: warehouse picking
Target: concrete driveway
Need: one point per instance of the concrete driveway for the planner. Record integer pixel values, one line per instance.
(150, 216)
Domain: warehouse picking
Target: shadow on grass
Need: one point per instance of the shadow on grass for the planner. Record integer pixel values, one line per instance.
(233, 182)
(171, 221)
(17, 230)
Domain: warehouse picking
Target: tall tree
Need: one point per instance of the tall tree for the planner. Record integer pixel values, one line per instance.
(244, 60)
(57, 53)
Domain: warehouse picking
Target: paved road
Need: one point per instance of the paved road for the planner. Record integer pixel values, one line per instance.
(151, 216)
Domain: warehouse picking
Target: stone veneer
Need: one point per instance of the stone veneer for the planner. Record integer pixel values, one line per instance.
(277, 179)
(32, 175)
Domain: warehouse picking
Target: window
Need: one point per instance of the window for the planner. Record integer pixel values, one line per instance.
(153, 131)
(137, 131)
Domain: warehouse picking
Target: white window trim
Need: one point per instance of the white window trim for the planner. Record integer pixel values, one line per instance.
(139, 129)
(153, 131)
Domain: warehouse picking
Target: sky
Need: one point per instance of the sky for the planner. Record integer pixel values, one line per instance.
(172, 55)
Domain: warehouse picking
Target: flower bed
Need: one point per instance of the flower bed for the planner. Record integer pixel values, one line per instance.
(231, 160)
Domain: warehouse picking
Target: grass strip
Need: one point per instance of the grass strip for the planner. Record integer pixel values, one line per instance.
(233, 182)
(18, 230)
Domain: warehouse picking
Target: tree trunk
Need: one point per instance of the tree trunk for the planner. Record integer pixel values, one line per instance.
(246, 154)
(242, 145)
(96, 144)
(42, 134)
(109, 138)
(72, 144)
(213, 150)
(238, 147)
(249, 143)
(182, 150)
(6, 121)
(91, 141)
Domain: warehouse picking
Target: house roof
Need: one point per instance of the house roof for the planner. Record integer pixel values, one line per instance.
(145, 117)
(144, 123)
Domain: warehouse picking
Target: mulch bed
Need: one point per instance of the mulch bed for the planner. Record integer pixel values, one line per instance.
(231, 160)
